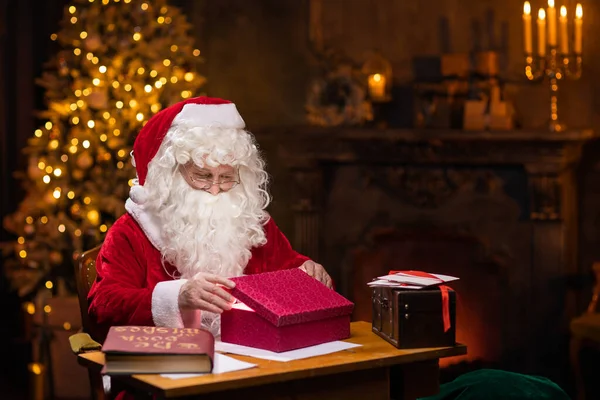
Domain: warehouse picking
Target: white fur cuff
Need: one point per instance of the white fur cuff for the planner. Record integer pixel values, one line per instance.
(165, 306)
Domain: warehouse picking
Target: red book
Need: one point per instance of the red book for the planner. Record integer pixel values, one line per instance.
(285, 310)
(156, 350)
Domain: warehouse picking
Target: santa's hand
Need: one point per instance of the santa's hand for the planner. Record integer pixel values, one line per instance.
(204, 292)
(318, 272)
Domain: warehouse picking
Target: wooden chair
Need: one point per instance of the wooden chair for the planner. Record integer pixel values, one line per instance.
(85, 274)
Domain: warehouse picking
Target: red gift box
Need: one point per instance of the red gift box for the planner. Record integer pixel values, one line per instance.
(285, 310)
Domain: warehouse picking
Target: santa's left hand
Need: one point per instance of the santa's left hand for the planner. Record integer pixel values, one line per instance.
(318, 272)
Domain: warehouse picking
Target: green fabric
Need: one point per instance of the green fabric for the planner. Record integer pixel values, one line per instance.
(83, 343)
(491, 384)
(587, 326)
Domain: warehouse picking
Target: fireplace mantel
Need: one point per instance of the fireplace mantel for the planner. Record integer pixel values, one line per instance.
(440, 161)
(305, 146)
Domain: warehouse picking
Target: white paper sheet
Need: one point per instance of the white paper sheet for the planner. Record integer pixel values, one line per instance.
(223, 364)
(312, 351)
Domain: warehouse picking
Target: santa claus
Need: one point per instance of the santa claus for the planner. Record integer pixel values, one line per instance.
(195, 217)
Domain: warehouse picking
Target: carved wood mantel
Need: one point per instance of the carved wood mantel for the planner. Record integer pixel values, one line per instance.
(426, 167)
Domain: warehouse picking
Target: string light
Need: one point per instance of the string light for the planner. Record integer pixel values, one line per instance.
(174, 79)
(163, 80)
(74, 141)
(103, 228)
(41, 165)
(77, 93)
(56, 194)
(155, 107)
(83, 34)
(23, 254)
(106, 115)
(57, 172)
(53, 37)
(174, 48)
(160, 19)
(54, 144)
(86, 144)
(38, 133)
(91, 124)
(81, 103)
(86, 92)
(163, 10)
(189, 76)
(77, 232)
(64, 158)
(119, 104)
(21, 240)
(137, 36)
(89, 56)
(115, 84)
(153, 73)
(139, 117)
(73, 106)
(127, 87)
(96, 81)
(30, 309)
(120, 165)
(132, 103)
(44, 220)
(168, 20)
(49, 285)
(144, 6)
(73, 20)
(73, 149)
(103, 138)
(61, 228)
(87, 200)
(158, 84)
(166, 62)
(148, 88)
(77, 51)
(72, 9)
(71, 195)
(102, 69)
(66, 325)
(95, 60)
(49, 169)
(196, 52)
(117, 132)
(121, 153)
(29, 220)
(48, 125)
(47, 309)
(46, 179)
(141, 70)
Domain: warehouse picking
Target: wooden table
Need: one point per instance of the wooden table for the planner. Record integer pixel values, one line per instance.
(366, 372)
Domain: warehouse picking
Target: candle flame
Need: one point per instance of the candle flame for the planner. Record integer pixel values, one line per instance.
(377, 77)
(527, 8)
(579, 11)
(551, 3)
(542, 14)
(563, 11)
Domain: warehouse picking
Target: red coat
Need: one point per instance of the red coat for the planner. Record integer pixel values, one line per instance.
(133, 288)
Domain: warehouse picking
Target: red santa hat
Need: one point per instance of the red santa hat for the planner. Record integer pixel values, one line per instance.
(196, 112)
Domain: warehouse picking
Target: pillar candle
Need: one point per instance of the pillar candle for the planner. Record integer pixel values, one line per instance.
(377, 86)
(564, 35)
(527, 36)
(551, 17)
(541, 23)
(578, 29)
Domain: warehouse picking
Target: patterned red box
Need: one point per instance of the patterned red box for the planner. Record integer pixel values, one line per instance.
(285, 310)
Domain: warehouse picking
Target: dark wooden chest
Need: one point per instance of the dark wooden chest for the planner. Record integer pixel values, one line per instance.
(413, 318)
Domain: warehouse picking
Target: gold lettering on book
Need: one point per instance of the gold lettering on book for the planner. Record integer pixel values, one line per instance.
(171, 338)
(162, 345)
(120, 329)
(142, 345)
(143, 338)
(134, 329)
(162, 330)
(149, 330)
(187, 345)
(156, 338)
(128, 338)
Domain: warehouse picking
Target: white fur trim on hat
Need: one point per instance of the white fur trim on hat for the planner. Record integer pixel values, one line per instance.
(138, 193)
(218, 115)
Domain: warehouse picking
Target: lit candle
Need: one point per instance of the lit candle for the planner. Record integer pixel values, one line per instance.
(541, 23)
(578, 26)
(564, 36)
(551, 23)
(527, 28)
(377, 86)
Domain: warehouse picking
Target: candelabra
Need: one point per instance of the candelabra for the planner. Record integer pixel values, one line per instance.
(555, 68)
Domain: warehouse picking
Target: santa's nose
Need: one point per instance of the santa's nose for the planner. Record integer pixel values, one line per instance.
(214, 190)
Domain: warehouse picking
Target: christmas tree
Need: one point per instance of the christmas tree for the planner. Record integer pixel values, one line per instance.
(118, 62)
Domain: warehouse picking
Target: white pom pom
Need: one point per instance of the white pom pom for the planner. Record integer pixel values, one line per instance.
(138, 194)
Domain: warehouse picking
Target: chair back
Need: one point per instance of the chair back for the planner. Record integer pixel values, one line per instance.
(85, 275)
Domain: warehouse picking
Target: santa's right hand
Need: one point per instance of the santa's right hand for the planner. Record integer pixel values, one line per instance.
(205, 292)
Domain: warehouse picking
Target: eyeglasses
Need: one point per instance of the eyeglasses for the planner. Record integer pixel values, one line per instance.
(204, 180)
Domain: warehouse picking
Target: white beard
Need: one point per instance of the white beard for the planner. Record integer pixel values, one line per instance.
(202, 232)
(206, 233)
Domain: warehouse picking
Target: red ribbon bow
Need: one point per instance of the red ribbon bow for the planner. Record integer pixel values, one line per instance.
(443, 289)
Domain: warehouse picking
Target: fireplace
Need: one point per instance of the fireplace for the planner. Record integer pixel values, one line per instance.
(499, 210)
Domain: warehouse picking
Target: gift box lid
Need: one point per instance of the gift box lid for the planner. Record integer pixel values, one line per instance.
(289, 297)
